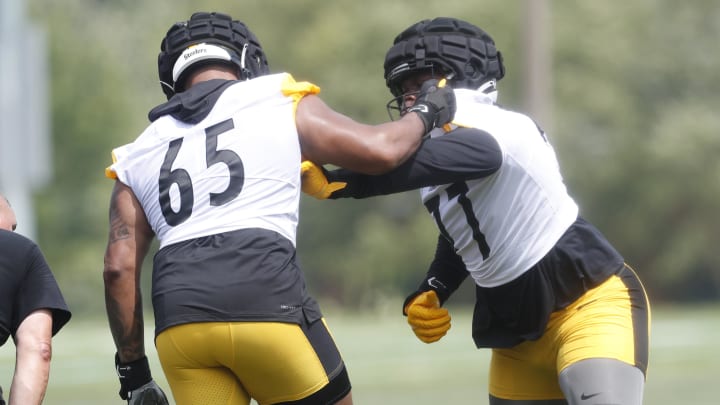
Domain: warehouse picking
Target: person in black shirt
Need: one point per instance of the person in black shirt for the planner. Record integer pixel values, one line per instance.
(32, 310)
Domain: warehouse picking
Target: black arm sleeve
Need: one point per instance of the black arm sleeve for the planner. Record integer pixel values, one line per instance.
(463, 154)
(447, 271)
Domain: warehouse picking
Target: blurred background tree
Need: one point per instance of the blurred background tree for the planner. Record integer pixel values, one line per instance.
(634, 95)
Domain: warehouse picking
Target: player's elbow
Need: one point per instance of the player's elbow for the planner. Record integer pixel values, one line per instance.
(114, 271)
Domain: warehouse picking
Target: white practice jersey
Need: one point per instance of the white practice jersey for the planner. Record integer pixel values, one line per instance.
(503, 224)
(238, 168)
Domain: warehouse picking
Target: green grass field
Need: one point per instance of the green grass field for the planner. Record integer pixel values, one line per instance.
(388, 365)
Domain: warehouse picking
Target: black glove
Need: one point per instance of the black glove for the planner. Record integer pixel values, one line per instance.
(435, 104)
(136, 383)
(2, 401)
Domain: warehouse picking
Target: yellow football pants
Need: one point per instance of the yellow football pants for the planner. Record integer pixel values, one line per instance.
(229, 362)
(611, 320)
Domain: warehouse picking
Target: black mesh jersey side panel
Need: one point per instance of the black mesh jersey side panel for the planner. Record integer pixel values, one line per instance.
(244, 275)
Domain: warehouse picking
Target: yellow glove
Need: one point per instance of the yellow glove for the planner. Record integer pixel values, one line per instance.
(315, 183)
(427, 319)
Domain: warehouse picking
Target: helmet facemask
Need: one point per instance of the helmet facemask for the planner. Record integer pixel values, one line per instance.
(457, 50)
(397, 106)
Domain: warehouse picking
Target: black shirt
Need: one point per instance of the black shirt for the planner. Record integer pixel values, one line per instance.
(26, 285)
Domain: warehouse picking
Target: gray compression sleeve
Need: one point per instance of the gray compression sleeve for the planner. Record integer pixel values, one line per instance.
(602, 382)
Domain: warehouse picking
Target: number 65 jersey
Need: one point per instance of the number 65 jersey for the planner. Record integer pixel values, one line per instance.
(231, 166)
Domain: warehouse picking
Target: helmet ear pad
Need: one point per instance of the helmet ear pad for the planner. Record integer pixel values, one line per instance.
(211, 28)
(461, 50)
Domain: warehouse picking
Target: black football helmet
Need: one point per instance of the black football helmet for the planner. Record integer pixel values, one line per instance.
(208, 38)
(461, 52)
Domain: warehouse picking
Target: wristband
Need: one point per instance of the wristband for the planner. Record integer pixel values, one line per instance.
(132, 375)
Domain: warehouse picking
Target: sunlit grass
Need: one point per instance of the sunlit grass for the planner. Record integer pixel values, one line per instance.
(388, 365)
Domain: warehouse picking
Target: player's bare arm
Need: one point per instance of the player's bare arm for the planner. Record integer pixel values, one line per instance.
(129, 239)
(327, 136)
